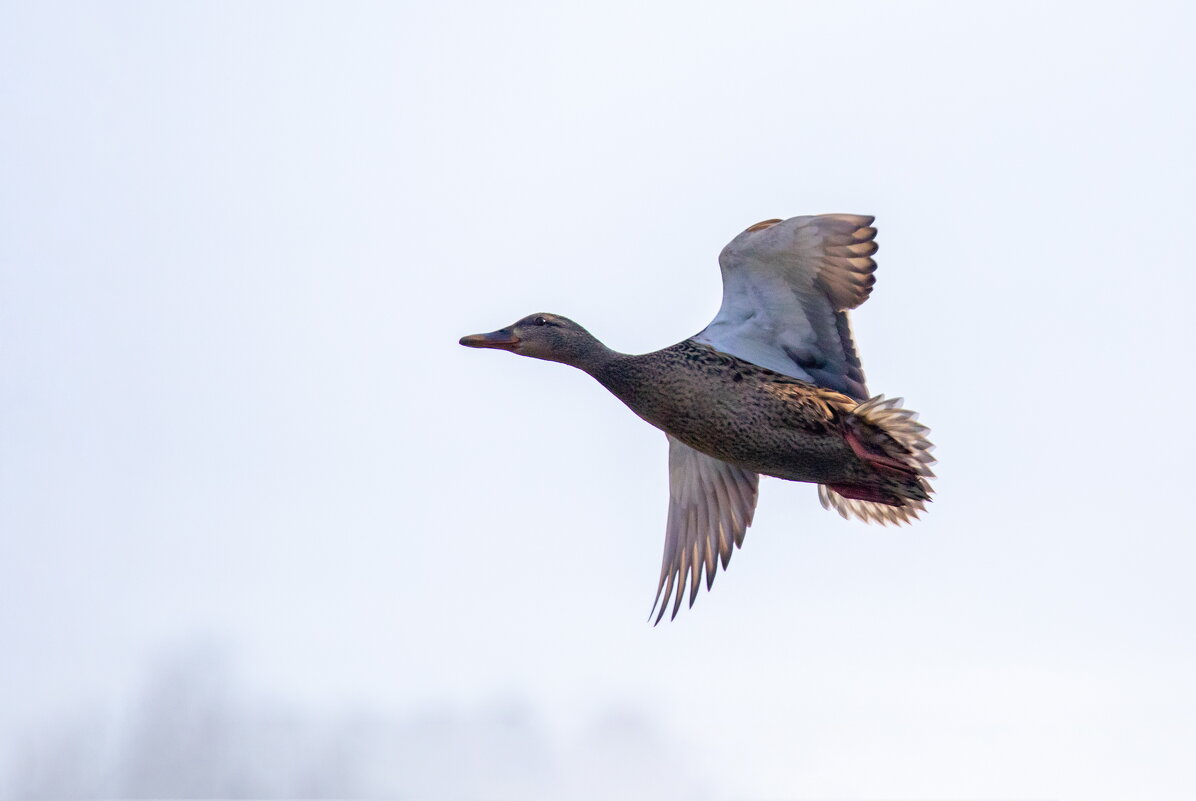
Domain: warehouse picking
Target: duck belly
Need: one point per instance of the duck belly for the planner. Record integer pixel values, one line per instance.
(792, 453)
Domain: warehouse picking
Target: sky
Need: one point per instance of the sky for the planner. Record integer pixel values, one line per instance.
(266, 530)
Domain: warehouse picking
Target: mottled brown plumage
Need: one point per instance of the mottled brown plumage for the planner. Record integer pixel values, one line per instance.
(757, 419)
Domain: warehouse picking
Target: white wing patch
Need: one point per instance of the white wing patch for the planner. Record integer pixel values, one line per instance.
(787, 288)
(711, 504)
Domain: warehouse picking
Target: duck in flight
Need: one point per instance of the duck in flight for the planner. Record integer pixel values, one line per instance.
(773, 386)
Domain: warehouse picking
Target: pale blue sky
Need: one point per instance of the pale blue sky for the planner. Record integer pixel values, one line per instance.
(244, 464)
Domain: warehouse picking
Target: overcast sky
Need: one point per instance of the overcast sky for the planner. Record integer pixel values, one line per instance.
(266, 529)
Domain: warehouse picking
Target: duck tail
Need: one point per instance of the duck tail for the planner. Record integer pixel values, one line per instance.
(891, 439)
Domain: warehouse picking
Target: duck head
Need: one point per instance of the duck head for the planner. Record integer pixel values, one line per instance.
(544, 336)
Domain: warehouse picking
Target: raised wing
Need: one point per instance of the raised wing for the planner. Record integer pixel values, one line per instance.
(787, 287)
(710, 507)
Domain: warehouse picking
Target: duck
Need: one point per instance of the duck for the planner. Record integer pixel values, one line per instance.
(773, 386)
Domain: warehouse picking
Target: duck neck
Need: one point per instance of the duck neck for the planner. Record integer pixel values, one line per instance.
(622, 375)
(594, 358)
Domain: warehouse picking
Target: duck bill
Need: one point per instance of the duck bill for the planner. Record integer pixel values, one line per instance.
(502, 339)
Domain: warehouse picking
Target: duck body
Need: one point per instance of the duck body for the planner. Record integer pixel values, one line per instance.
(757, 419)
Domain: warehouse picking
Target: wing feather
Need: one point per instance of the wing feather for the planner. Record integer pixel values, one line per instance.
(710, 507)
(787, 289)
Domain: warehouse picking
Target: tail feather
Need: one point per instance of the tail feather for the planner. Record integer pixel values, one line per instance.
(906, 445)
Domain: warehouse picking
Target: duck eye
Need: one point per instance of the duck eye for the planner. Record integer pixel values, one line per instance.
(540, 321)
